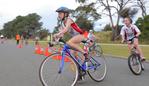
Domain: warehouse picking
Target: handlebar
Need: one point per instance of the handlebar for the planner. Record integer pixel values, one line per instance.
(125, 41)
(61, 40)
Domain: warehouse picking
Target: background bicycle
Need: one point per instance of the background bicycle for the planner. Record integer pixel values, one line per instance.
(134, 62)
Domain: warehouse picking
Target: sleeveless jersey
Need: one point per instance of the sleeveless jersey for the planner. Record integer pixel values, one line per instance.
(129, 32)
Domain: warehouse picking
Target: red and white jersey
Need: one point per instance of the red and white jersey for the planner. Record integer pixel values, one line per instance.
(74, 29)
(91, 36)
(129, 32)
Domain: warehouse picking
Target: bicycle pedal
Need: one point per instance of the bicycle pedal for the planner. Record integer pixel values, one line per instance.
(59, 72)
(143, 60)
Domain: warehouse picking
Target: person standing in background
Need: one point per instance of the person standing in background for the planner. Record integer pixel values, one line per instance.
(36, 40)
(2, 39)
(17, 38)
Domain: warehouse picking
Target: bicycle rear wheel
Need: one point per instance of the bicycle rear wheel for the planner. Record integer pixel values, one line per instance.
(97, 68)
(134, 64)
(49, 75)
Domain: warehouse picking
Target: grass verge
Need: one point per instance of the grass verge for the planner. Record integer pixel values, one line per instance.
(120, 50)
(111, 49)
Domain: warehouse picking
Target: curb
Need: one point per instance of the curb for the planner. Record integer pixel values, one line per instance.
(121, 44)
(120, 57)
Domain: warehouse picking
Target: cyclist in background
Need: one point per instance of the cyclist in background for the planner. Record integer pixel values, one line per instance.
(130, 34)
(91, 37)
(90, 40)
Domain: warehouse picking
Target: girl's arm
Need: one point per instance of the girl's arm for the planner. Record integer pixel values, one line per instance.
(138, 33)
(137, 30)
(123, 39)
(122, 33)
(65, 28)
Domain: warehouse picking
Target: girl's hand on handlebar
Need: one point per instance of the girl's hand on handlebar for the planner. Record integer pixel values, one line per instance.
(124, 41)
(57, 37)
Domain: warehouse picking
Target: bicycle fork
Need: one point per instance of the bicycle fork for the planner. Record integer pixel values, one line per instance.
(62, 62)
(64, 51)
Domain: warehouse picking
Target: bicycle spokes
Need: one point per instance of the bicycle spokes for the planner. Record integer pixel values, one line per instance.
(135, 64)
(49, 75)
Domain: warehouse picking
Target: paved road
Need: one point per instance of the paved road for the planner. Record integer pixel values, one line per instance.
(19, 67)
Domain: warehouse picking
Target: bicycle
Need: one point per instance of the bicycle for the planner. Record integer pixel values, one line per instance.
(95, 47)
(134, 62)
(67, 71)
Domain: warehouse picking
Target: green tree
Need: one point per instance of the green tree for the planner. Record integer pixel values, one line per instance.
(128, 12)
(84, 23)
(107, 28)
(86, 15)
(143, 25)
(29, 24)
(81, 1)
(142, 5)
(43, 33)
(139, 23)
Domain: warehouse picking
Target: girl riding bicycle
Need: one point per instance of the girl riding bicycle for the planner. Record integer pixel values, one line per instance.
(70, 30)
(130, 34)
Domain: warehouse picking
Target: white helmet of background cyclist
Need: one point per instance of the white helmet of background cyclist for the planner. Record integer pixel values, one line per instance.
(2, 36)
(91, 31)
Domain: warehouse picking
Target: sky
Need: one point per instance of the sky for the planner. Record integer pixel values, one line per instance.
(9, 9)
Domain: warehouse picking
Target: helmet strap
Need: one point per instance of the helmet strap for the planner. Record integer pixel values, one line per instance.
(61, 21)
(65, 17)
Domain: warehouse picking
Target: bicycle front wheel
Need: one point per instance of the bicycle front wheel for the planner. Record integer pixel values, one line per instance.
(97, 68)
(49, 69)
(134, 64)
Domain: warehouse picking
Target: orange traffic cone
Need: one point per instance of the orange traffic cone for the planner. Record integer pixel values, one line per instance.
(20, 46)
(60, 58)
(41, 51)
(38, 50)
(57, 58)
(66, 59)
(47, 52)
(60, 49)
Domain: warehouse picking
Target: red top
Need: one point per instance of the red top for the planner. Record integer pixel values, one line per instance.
(76, 28)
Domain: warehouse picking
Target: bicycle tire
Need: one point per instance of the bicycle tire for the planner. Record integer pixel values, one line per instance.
(100, 73)
(137, 62)
(42, 77)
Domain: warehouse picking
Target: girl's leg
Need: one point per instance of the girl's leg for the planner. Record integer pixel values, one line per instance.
(136, 44)
(75, 41)
(129, 47)
(17, 42)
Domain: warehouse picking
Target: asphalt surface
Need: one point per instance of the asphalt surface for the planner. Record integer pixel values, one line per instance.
(19, 67)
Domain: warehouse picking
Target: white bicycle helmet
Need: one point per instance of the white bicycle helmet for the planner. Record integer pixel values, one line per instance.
(2, 36)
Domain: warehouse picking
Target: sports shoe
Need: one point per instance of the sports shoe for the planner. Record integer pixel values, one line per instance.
(143, 59)
(80, 78)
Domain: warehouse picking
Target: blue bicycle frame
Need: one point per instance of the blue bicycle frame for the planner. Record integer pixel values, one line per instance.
(66, 50)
